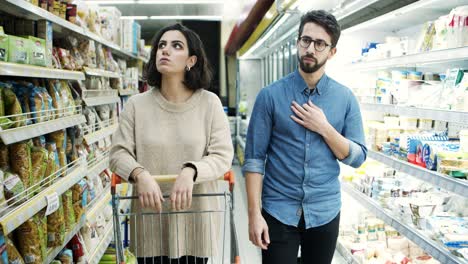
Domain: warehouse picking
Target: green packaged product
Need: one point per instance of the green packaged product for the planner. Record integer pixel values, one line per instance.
(37, 52)
(55, 227)
(3, 45)
(31, 237)
(68, 211)
(13, 188)
(20, 161)
(18, 49)
(39, 157)
(13, 107)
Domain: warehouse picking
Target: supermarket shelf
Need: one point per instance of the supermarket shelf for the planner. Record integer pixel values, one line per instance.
(349, 258)
(100, 97)
(101, 73)
(100, 134)
(99, 167)
(14, 135)
(145, 60)
(437, 56)
(446, 182)
(99, 203)
(24, 70)
(53, 252)
(128, 92)
(425, 113)
(29, 11)
(96, 256)
(25, 211)
(431, 247)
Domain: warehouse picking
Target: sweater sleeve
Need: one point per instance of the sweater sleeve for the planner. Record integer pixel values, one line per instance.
(220, 151)
(123, 151)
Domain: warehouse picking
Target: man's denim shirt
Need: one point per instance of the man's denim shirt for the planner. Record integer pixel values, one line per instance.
(300, 170)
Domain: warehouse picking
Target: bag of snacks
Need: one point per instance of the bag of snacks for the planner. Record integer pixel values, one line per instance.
(39, 156)
(20, 161)
(55, 227)
(13, 107)
(14, 188)
(30, 236)
(4, 157)
(53, 88)
(68, 210)
(14, 257)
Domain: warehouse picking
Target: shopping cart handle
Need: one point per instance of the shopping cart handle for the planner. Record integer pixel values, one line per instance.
(228, 176)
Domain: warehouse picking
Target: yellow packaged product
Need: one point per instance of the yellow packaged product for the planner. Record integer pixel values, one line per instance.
(68, 210)
(20, 161)
(55, 227)
(4, 157)
(14, 257)
(32, 239)
(39, 157)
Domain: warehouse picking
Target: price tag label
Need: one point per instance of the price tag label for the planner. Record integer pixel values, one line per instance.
(53, 203)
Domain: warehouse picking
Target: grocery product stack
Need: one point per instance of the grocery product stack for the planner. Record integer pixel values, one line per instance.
(413, 90)
(64, 73)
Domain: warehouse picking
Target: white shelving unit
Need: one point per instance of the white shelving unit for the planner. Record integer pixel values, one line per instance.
(349, 258)
(20, 214)
(433, 248)
(24, 70)
(27, 10)
(100, 97)
(446, 182)
(98, 165)
(98, 252)
(100, 134)
(14, 135)
(127, 92)
(437, 56)
(425, 113)
(53, 252)
(101, 73)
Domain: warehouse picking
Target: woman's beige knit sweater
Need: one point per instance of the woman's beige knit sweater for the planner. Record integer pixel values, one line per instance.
(161, 136)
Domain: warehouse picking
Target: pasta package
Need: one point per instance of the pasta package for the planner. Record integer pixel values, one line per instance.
(39, 156)
(30, 236)
(36, 103)
(14, 257)
(68, 210)
(59, 137)
(4, 157)
(55, 227)
(2, 193)
(14, 188)
(20, 161)
(51, 167)
(53, 87)
(13, 107)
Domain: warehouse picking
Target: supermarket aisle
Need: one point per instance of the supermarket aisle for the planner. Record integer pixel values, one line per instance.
(250, 254)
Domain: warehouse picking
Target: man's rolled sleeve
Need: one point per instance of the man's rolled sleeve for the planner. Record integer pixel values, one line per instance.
(357, 155)
(258, 134)
(254, 165)
(353, 131)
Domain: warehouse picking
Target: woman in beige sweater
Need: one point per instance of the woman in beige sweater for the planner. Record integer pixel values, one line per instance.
(175, 128)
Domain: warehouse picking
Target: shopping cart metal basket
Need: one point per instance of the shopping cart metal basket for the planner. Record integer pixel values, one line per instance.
(224, 253)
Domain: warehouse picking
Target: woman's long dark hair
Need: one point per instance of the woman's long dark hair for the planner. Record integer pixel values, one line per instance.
(199, 76)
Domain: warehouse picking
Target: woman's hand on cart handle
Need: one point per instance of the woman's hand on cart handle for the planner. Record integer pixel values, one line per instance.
(181, 194)
(149, 193)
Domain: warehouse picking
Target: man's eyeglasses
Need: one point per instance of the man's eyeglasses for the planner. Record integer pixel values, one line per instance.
(319, 45)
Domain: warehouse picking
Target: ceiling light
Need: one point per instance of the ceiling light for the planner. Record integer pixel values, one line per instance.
(210, 18)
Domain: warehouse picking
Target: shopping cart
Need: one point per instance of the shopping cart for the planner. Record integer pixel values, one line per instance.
(225, 199)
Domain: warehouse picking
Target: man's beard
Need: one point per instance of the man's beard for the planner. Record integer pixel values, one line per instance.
(307, 68)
